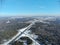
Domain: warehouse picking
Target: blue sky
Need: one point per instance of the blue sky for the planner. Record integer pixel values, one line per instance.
(29, 7)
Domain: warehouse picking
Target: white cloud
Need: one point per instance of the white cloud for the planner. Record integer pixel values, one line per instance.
(42, 7)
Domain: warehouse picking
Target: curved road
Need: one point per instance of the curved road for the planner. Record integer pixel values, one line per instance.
(21, 31)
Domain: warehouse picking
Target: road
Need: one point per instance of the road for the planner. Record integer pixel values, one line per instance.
(21, 31)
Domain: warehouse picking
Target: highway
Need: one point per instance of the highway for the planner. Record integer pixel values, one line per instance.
(20, 32)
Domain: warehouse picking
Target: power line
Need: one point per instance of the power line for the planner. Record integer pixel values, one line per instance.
(2, 4)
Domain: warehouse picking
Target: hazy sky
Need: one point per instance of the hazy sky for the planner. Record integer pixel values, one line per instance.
(29, 7)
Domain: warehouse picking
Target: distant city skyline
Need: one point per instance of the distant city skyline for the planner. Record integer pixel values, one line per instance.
(30, 8)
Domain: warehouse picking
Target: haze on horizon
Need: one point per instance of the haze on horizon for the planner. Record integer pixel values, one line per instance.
(29, 7)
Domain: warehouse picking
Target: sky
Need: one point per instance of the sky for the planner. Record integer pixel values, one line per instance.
(29, 7)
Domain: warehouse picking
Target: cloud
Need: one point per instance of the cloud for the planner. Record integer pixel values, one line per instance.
(42, 7)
